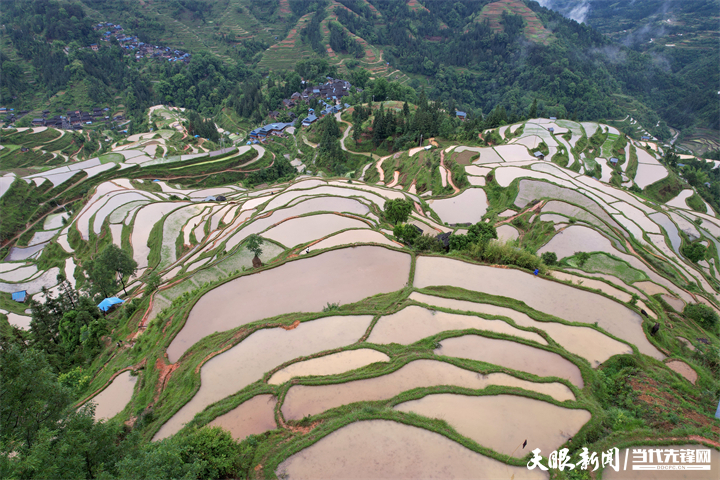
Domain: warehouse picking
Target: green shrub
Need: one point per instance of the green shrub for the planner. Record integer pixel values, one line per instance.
(549, 258)
(505, 254)
(406, 233)
(581, 258)
(428, 243)
(702, 314)
(694, 252)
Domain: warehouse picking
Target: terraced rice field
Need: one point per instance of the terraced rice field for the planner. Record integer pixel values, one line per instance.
(351, 353)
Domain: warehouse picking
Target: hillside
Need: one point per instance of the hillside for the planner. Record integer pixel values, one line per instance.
(506, 53)
(467, 280)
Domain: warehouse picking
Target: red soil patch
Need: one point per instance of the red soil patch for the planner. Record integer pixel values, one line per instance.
(537, 206)
(292, 326)
(166, 371)
(660, 401)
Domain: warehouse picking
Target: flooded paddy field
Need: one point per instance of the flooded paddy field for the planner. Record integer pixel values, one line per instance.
(415, 323)
(332, 364)
(303, 400)
(391, 450)
(469, 206)
(557, 299)
(383, 357)
(585, 342)
(516, 356)
(502, 422)
(245, 363)
(251, 417)
(345, 276)
(115, 397)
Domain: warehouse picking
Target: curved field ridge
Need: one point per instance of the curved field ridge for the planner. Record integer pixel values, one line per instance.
(302, 400)
(563, 301)
(502, 422)
(332, 364)
(245, 363)
(414, 323)
(584, 342)
(345, 276)
(513, 355)
(387, 449)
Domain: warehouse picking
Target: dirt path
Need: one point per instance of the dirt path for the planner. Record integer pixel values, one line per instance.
(308, 142)
(378, 166)
(396, 179)
(345, 135)
(447, 170)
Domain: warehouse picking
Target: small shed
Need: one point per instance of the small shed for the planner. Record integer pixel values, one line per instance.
(20, 296)
(551, 129)
(108, 303)
(539, 155)
(444, 238)
(614, 161)
(553, 118)
(461, 115)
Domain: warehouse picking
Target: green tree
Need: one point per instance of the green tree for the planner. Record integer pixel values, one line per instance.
(32, 399)
(406, 233)
(533, 110)
(398, 210)
(694, 252)
(102, 277)
(428, 243)
(549, 258)
(482, 232)
(119, 261)
(254, 244)
(581, 258)
(459, 242)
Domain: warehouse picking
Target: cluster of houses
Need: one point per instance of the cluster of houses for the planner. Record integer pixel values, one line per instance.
(11, 116)
(133, 46)
(278, 129)
(76, 119)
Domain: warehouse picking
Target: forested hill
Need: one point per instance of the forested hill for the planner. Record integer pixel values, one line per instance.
(477, 54)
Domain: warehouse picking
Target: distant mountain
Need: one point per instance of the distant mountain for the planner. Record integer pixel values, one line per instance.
(476, 55)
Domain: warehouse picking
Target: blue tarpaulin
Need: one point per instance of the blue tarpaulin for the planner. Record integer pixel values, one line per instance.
(19, 296)
(108, 302)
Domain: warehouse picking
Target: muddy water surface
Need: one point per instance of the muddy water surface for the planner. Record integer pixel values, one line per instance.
(251, 417)
(343, 276)
(503, 422)
(469, 206)
(415, 323)
(115, 397)
(335, 363)
(304, 229)
(384, 449)
(302, 400)
(511, 355)
(557, 299)
(585, 342)
(265, 349)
